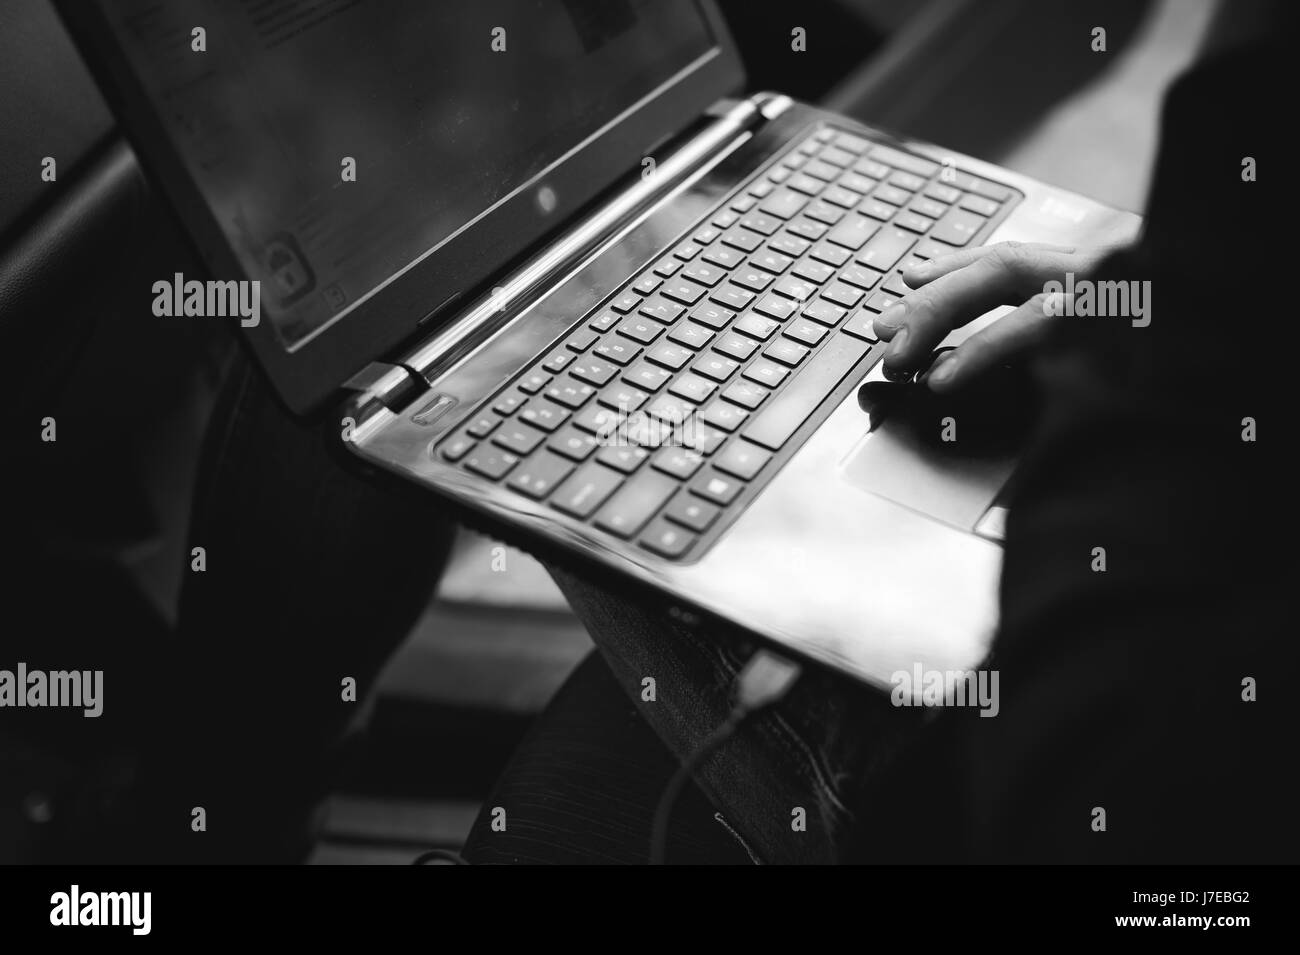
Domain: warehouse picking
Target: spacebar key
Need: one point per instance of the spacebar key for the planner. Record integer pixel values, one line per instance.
(799, 399)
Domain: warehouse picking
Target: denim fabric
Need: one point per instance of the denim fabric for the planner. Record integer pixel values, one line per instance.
(817, 750)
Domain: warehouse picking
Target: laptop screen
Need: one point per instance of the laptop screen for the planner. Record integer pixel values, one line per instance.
(338, 143)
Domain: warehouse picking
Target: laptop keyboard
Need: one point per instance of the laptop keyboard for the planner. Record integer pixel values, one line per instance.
(661, 414)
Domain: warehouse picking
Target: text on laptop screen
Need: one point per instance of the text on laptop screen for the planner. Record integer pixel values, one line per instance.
(338, 142)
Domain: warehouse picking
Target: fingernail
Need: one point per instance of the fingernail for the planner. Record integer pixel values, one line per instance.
(891, 317)
(898, 345)
(943, 371)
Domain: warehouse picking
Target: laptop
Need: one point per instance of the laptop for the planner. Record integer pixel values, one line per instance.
(545, 261)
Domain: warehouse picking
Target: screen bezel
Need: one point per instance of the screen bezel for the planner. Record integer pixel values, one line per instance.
(306, 375)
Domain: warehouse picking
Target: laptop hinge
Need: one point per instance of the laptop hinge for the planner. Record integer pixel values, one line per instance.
(381, 384)
(483, 317)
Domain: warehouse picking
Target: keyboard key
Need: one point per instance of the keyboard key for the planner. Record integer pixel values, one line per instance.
(635, 503)
(830, 254)
(605, 320)
(763, 225)
(853, 233)
(755, 326)
(534, 383)
(821, 170)
(788, 244)
(640, 329)
(716, 367)
(539, 475)
(802, 182)
(667, 540)
(544, 414)
(725, 416)
(557, 361)
(805, 332)
(877, 209)
(861, 276)
(688, 293)
(706, 235)
(686, 251)
(703, 438)
(729, 296)
(791, 407)
(735, 346)
(593, 370)
(753, 279)
(625, 458)
(905, 180)
(647, 376)
(573, 444)
(571, 394)
(807, 229)
(766, 372)
(854, 144)
(904, 161)
(836, 156)
(597, 420)
(844, 198)
(691, 335)
(623, 397)
(813, 271)
(647, 284)
(824, 312)
(824, 212)
(705, 274)
(943, 193)
(929, 208)
(713, 316)
(842, 294)
(665, 312)
(770, 261)
(581, 340)
(891, 194)
(858, 183)
(957, 227)
(886, 248)
(458, 447)
(880, 301)
(681, 463)
(740, 239)
(669, 355)
(692, 388)
(509, 404)
(863, 326)
(990, 190)
(667, 267)
(786, 352)
(625, 302)
(743, 203)
(871, 169)
(742, 459)
(482, 426)
(491, 462)
(795, 288)
(586, 489)
(718, 488)
(618, 350)
(724, 256)
(670, 408)
(774, 306)
(784, 203)
(744, 393)
(692, 513)
(913, 222)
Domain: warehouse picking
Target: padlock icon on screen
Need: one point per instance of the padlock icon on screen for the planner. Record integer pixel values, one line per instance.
(290, 276)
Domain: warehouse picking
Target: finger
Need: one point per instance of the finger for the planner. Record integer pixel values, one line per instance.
(927, 271)
(1007, 276)
(1009, 337)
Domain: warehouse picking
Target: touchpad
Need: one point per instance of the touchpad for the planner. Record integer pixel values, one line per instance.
(946, 457)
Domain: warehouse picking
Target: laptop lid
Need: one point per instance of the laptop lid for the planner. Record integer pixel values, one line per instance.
(371, 162)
